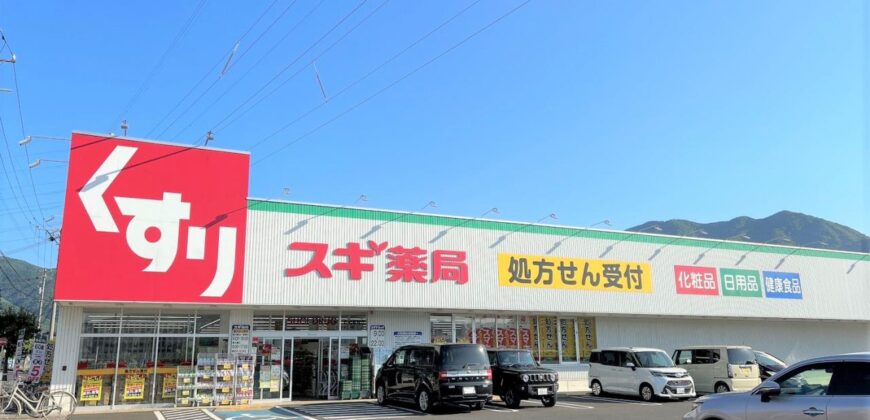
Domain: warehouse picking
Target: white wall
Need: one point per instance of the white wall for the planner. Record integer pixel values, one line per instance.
(791, 341)
(66, 348)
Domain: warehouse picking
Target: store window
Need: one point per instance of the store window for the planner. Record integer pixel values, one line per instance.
(181, 323)
(139, 323)
(172, 352)
(528, 339)
(567, 340)
(96, 370)
(549, 337)
(463, 329)
(268, 322)
(209, 324)
(485, 331)
(442, 329)
(506, 332)
(101, 323)
(135, 370)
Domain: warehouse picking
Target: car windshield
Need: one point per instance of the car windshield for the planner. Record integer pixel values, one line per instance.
(741, 357)
(519, 358)
(767, 360)
(653, 359)
(464, 357)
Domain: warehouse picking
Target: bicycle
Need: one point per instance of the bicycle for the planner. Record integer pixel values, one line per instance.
(48, 402)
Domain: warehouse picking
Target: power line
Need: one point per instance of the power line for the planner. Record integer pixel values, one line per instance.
(14, 173)
(361, 79)
(282, 71)
(394, 83)
(210, 72)
(217, 126)
(24, 134)
(147, 82)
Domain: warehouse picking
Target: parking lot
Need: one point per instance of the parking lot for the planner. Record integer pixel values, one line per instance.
(569, 406)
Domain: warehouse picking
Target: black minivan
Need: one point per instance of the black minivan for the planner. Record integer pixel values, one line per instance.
(428, 375)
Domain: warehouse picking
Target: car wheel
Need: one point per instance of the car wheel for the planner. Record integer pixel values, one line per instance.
(720, 388)
(549, 401)
(646, 392)
(381, 394)
(510, 399)
(424, 400)
(477, 406)
(596, 389)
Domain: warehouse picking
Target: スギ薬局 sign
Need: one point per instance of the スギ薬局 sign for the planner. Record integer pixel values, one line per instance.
(152, 222)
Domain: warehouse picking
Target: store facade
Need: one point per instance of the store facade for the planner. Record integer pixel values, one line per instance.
(162, 267)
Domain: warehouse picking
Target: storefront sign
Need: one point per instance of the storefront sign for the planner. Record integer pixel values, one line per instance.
(92, 388)
(401, 338)
(549, 339)
(742, 283)
(275, 378)
(573, 273)
(149, 222)
(134, 384)
(19, 349)
(406, 265)
(696, 280)
(377, 335)
(588, 341)
(779, 285)
(37, 359)
(240, 339)
(169, 384)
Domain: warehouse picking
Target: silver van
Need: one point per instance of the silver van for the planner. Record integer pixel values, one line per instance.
(719, 368)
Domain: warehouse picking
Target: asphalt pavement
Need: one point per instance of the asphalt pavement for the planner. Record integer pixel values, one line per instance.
(569, 406)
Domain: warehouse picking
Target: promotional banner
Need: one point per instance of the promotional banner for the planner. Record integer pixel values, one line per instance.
(169, 384)
(18, 361)
(573, 273)
(569, 347)
(92, 389)
(549, 338)
(134, 384)
(37, 359)
(588, 341)
(152, 222)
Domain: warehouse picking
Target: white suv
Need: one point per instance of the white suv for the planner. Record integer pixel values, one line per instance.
(649, 373)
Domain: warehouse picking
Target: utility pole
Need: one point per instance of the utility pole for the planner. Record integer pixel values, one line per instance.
(41, 299)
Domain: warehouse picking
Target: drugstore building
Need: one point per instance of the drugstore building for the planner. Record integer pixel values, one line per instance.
(169, 273)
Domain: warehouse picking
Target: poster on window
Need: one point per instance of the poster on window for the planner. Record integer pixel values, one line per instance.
(134, 385)
(507, 338)
(92, 388)
(275, 378)
(569, 347)
(169, 383)
(525, 333)
(587, 337)
(549, 339)
(486, 336)
(240, 339)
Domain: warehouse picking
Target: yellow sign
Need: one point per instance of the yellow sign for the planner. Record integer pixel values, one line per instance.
(134, 385)
(573, 274)
(92, 388)
(587, 337)
(169, 382)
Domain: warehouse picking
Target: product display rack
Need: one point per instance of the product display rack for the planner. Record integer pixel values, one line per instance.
(226, 380)
(185, 387)
(205, 379)
(244, 389)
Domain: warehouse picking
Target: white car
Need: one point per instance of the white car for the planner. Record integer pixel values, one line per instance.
(648, 373)
(719, 368)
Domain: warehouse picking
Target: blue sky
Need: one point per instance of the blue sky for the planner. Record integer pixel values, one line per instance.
(629, 111)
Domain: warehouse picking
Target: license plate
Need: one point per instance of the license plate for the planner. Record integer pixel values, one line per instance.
(468, 390)
(746, 370)
(681, 390)
(542, 391)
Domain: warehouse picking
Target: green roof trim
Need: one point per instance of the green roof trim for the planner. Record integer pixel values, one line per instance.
(558, 231)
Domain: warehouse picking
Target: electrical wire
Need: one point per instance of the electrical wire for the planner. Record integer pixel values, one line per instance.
(394, 83)
(210, 72)
(282, 71)
(14, 174)
(361, 79)
(146, 83)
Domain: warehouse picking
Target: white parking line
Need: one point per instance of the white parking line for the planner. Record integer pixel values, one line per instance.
(608, 399)
(574, 406)
(295, 413)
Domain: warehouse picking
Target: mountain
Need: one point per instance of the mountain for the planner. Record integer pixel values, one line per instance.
(783, 228)
(19, 286)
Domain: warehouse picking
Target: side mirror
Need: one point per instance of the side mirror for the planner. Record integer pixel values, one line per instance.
(768, 389)
(630, 365)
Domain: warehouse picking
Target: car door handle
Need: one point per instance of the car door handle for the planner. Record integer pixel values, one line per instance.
(813, 411)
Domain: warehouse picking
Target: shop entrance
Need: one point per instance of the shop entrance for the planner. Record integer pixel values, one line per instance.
(320, 367)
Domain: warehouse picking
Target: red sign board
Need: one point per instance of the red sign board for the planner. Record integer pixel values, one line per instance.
(696, 280)
(152, 222)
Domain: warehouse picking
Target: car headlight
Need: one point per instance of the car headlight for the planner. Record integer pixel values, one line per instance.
(658, 374)
(557, 376)
(696, 404)
(525, 378)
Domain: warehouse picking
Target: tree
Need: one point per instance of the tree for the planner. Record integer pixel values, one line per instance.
(11, 322)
